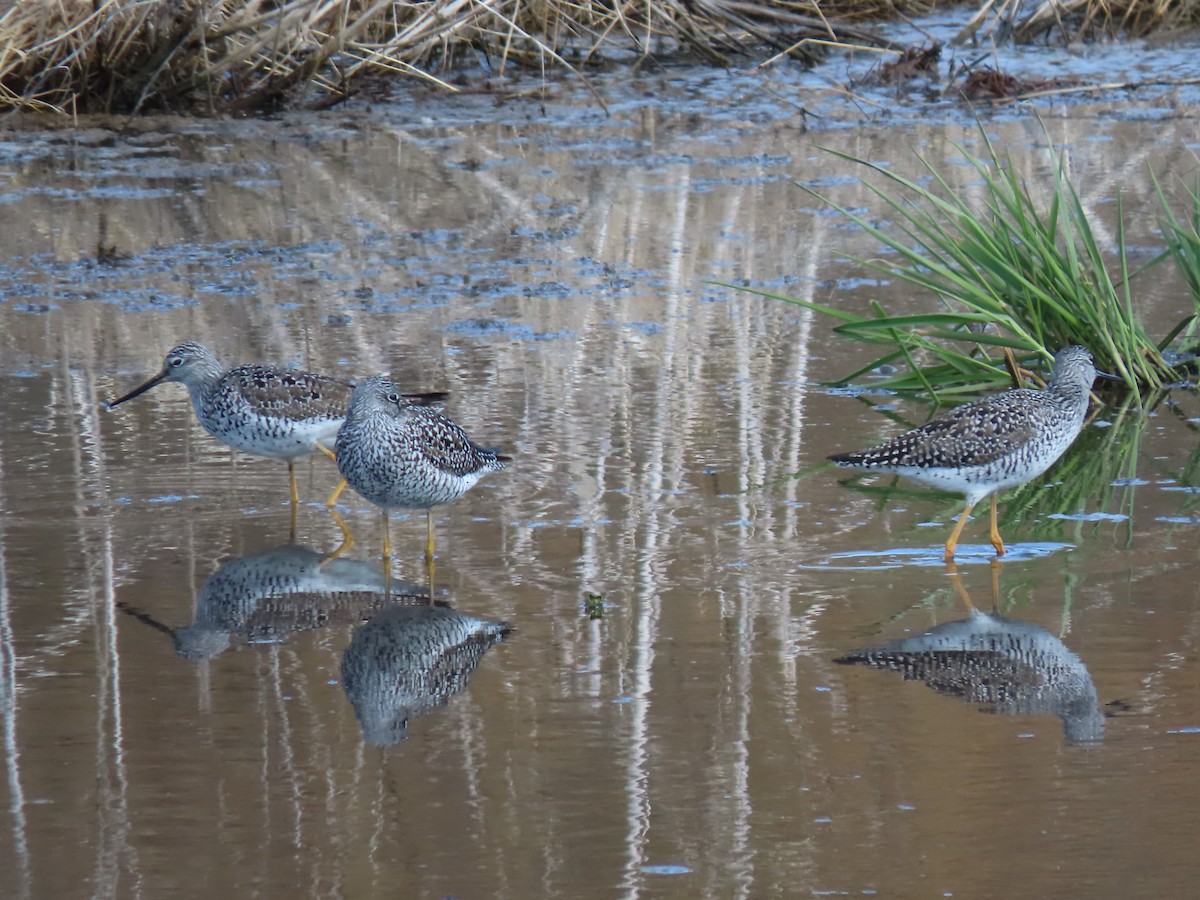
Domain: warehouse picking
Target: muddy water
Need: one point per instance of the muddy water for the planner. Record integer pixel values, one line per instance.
(193, 708)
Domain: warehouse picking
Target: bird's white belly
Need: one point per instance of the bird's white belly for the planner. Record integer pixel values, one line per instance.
(429, 488)
(977, 482)
(960, 481)
(275, 438)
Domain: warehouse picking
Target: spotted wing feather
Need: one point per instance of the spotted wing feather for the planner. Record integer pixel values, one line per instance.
(977, 676)
(976, 434)
(446, 446)
(290, 394)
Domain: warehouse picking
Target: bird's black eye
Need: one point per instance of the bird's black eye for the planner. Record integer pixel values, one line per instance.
(393, 397)
(177, 362)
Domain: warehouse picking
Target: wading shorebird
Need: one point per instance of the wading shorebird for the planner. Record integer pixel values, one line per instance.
(995, 443)
(400, 455)
(260, 409)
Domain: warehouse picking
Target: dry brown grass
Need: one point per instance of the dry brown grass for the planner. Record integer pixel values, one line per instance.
(206, 56)
(1078, 20)
(214, 55)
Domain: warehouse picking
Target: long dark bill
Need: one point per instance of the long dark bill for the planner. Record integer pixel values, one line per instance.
(138, 391)
(428, 398)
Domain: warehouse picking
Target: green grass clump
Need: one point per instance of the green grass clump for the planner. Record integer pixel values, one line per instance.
(1007, 271)
(1182, 239)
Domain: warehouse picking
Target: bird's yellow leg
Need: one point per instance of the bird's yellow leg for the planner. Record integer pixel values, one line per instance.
(956, 580)
(996, 567)
(337, 492)
(341, 485)
(292, 524)
(429, 566)
(952, 544)
(292, 480)
(387, 555)
(347, 538)
(994, 534)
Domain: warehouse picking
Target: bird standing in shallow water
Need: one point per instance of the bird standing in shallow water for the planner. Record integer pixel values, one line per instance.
(998, 442)
(260, 409)
(399, 455)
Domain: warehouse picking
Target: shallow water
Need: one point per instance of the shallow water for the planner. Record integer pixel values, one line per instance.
(191, 708)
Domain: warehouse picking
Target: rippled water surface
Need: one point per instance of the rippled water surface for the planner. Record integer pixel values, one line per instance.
(193, 707)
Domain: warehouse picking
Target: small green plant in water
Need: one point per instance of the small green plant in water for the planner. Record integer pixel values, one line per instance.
(1009, 272)
(593, 605)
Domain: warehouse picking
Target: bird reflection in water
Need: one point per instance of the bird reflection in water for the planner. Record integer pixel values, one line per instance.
(408, 660)
(1008, 666)
(265, 597)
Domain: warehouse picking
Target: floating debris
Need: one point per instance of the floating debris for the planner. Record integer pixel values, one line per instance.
(911, 63)
(989, 83)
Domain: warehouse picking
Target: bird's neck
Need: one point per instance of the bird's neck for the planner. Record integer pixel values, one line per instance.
(357, 416)
(203, 380)
(367, 422)
(1071, 390)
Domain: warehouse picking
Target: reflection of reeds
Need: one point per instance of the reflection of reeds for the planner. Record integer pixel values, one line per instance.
(626, 439)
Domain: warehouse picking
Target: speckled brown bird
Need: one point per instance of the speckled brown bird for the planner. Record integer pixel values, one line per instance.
(399, 455)
(998, 442)
(261, 409)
